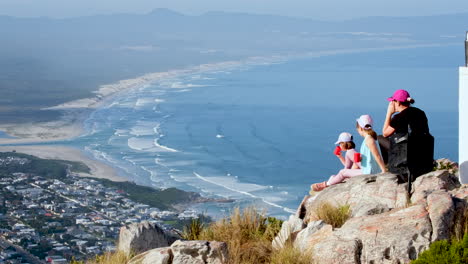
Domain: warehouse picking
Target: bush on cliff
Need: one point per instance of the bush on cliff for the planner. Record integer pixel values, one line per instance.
(107, 258)
(249, 235)
(335, 216)
(445, 252)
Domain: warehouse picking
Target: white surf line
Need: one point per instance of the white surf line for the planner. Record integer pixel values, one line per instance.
(288, 210)
(156, 143)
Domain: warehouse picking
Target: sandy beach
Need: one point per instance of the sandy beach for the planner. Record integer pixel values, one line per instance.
(75, 112)
(70, 125)
(98, 169)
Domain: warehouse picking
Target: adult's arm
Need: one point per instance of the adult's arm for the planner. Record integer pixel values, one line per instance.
(370, 142)
(387, 129)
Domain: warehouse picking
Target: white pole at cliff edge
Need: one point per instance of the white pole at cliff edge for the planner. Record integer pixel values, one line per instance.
(463, 118)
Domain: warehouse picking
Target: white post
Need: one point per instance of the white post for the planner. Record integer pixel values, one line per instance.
(463, 118)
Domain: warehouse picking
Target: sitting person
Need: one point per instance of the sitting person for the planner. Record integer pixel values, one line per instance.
(371, 159)
(351, 167)
(403, 119)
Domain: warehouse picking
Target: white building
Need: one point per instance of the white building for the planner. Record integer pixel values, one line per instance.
(463, 118)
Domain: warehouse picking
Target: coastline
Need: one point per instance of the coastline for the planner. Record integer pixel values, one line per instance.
(98, 169)
(71, 124)
(75, 112)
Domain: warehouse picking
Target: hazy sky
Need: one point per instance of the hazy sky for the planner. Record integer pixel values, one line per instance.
(319, 9)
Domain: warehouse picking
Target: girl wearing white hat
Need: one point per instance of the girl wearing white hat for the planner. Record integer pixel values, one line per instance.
(370, 157)
(351, 165)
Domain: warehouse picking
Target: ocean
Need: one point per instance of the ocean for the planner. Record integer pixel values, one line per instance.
(261, 134)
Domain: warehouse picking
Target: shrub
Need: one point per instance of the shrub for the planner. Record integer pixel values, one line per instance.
(248, 235)
(193, 230)
(290, 255)
(446, 164)
(108, 258)
(335, 216)
(445, 252)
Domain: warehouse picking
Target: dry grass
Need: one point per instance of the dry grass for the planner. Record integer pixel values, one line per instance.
(248, 235)
(107, 258)
(335, 216)
(193, 230)
(291, 255)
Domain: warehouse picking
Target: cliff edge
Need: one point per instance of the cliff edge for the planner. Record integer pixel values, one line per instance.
(386, 224)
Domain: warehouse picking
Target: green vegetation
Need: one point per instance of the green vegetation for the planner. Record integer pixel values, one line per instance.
(333, 215)
(446, 164)
(249, 235)
(162, 199)
(445, 252)
(450, 251)
(193, 230)
(47, 168)
(57, 169)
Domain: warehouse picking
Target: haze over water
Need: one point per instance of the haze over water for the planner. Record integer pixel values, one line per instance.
(262, 134)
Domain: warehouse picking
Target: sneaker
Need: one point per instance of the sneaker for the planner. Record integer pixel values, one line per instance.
(317, 187)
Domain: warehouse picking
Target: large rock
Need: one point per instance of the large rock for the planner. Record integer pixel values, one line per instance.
(441, 211)
(387, 224)
(433, 181)
(136, 238)
(288, 229)
(185, 252)
(154, 256)
(199, 252)
(302, 239)
(393, 237)
(366, 195)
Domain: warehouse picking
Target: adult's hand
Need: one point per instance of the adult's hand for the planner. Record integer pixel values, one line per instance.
(391, 108)
(387, 129)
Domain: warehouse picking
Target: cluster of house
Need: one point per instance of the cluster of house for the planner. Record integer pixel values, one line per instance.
(56, 220)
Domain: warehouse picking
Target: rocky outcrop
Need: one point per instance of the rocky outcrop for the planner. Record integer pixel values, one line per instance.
(290, 227)
(136, 238)
(387, 224)
(185, 252)
(367, 195)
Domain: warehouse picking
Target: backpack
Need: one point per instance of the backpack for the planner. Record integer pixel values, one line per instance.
(411, 155)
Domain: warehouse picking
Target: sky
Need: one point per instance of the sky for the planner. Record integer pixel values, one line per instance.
(318, 9)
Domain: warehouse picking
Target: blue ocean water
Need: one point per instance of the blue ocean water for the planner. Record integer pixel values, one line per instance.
(4, 135)
(262, 134)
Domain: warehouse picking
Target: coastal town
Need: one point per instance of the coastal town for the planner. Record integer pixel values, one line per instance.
(49, 220)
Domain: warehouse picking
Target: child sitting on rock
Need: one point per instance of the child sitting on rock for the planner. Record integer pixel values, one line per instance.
(351, 166)
(371, 161)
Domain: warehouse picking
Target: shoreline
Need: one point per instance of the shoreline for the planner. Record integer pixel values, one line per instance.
(71, 124)
(98, 168)
(75, 112)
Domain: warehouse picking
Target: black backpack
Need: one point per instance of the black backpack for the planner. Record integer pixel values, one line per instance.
(411, 155)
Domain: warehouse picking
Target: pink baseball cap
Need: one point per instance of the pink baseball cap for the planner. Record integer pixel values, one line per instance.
(344, 137)
(399, 95)
(365, 120)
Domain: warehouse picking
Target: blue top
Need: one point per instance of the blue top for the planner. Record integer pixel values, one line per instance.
(368, 162)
